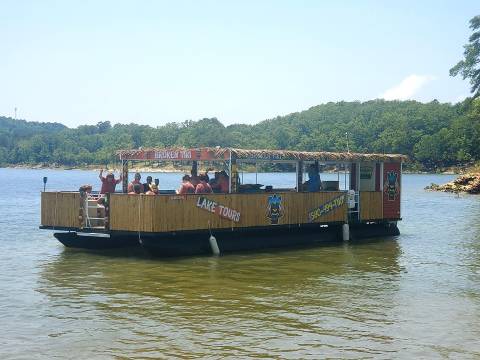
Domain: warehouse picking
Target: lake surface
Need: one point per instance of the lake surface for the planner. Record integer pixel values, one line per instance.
(415, 295)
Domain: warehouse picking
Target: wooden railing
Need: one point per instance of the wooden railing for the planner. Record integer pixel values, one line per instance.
(167, 213)
(60, 209)
(193, 212)
(371, 205)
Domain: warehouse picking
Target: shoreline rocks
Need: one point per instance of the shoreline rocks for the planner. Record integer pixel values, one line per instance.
(468, 183)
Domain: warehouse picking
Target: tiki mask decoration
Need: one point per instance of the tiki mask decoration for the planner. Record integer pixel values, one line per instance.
(392, 186)
(274, 208)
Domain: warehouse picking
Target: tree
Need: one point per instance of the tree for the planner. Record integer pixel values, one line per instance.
(469, 67)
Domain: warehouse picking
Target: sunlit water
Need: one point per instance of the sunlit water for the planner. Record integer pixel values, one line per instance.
(417, 295)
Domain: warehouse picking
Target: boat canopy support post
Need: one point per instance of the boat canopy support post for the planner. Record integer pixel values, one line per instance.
(233, 174)
(299, 175)
(124, 176)
(194, 171)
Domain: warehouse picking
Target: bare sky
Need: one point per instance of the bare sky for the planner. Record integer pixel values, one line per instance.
(153, 62)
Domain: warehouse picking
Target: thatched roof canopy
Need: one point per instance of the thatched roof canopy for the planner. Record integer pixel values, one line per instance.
(263, 155)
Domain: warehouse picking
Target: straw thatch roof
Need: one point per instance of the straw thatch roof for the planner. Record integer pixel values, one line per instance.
(209, 153)
(315, 155)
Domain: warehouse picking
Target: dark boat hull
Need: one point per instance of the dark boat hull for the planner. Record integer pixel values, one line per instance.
(198, 242)
(95, 241)
(250, 240)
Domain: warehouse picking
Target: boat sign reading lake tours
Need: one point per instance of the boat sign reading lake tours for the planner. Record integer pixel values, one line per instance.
(326, 208)
(216, 208)
(169, 224)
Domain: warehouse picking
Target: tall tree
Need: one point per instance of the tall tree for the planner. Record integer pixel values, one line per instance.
(469, 67)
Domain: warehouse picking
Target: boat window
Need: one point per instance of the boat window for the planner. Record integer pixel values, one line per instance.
(266, 176)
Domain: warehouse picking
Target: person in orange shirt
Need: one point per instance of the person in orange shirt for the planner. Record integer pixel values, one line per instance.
(203, 187)
(136, 180)
(187, 187)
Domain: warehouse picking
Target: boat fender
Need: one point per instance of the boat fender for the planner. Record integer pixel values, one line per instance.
(345, 232)
(214, 245)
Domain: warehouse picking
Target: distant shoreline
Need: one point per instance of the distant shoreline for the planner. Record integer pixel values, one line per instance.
(171, 169)
(96, 168)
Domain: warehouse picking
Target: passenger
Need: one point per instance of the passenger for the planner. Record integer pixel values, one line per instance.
(195, 180)
(152, 190)
(85, 189)
(206, 174)
(187, 187)
(135, 181)
(136, 189)
(215, 182)
(203, 187)
(313, 183)
(224, 182)
(146, 186)
(221, 182)
(109, 182)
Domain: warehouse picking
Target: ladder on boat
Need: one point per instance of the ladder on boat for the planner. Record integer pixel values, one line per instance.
(97, 221)
(354, 205)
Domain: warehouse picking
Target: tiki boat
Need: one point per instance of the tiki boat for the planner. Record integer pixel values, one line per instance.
(248, 216)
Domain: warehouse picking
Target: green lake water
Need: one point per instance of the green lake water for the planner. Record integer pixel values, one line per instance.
(415, 295)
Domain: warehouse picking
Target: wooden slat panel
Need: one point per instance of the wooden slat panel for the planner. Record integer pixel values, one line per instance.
(371, 205)
(60, 209)
(175, 213)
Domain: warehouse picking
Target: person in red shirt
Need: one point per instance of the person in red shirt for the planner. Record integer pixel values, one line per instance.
(203, 187)
(187, 187)
(136, 180)
(109, 182)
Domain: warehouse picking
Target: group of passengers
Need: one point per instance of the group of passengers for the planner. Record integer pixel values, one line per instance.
(202, 184)
(136, 187)
(191, 184)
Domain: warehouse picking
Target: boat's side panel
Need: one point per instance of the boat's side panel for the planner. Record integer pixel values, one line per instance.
(371, 205)
(60, 209)
(391, 193)
(224, 211)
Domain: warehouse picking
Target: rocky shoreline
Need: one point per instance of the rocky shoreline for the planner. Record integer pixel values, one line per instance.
(467, 183)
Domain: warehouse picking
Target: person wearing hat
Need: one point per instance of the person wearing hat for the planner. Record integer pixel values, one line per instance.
(108, 182)
(135, 181)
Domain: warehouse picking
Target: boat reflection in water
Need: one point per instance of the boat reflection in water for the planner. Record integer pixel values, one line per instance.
(329, 299)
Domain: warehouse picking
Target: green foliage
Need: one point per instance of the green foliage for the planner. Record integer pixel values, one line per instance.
(432, 134)
(469, 67)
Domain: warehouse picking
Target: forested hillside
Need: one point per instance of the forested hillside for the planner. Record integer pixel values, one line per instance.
(432, 134)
